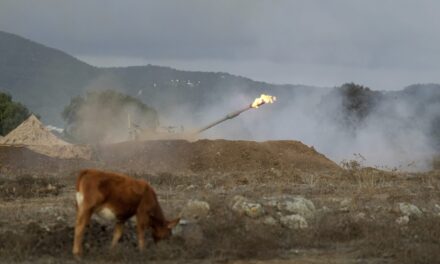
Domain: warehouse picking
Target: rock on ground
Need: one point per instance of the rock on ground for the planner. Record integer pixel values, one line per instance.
(408, 209)
(294, 221)
(403, 220)
(195, 210)
(269, 220)
(242, 205)
(294, 205)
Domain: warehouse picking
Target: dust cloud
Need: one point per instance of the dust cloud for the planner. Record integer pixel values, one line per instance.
(107, 116)
(384, 129)
(389, 130)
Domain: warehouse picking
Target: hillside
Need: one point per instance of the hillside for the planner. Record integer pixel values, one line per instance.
(278, 157)
(45, 79)
(272, 202)
(392, 129)
(42, 78)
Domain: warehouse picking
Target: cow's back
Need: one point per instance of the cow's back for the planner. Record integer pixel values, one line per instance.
(105, 189)
(102, 180)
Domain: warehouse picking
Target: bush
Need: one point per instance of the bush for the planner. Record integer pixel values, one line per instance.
(12, 114)
(350, 104)
(102, 116)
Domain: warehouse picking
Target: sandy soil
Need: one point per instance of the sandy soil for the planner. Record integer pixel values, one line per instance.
(358, 216)
(35, 136)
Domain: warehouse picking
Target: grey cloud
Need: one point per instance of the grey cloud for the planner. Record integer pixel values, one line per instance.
(379, 36)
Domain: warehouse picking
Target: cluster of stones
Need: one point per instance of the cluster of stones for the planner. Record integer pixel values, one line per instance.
(291, 212)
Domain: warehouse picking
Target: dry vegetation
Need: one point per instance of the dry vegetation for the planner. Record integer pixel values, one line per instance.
(356, 219)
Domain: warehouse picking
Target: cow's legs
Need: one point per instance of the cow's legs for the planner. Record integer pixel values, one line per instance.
(117, 233)
(142, 223)
(82, 219)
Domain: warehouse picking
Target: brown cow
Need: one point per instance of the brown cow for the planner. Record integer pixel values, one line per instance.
(118, 197)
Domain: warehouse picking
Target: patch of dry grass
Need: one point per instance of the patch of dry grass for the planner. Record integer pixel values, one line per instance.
(26, 186)
(224, 235)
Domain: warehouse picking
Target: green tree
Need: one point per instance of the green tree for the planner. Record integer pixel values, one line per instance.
(358, 101)
(12, 113)
(350, 104)
(102, 116)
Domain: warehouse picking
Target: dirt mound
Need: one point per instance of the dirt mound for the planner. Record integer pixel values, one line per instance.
(32, 132)
(214, 155)
(16, 160)
(179, 156)
(34, 135)
(63, 151)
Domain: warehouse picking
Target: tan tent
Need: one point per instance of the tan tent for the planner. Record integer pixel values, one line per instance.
(35, 136)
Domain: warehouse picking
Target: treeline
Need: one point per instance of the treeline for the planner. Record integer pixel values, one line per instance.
(106, 115)
(12, 114)
(90, 117)
(417, 107)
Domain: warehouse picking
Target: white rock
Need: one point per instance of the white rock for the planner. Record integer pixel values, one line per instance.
(345, 205)
(299, 206)
(253, 210)
(408, 209)
(195, 210)
(237, 198)
(403, 220)
(242, 206)
(272, 203)
(294, 221)
(360, 217)
(237, 203)
(324, 209)
(437, 208)
(191, 187)
(269, 220)
(177, 230)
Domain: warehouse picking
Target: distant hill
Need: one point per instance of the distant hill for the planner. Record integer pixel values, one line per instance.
(387, 128)
(42, 78)
(45, 79)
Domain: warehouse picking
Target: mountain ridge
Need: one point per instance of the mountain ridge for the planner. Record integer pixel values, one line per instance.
(45, 79)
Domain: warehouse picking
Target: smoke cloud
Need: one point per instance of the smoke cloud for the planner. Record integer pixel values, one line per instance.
(107, 116)
(385, 129)
(393, 131)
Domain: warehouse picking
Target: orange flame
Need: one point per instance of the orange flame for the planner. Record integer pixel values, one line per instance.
(263, 99)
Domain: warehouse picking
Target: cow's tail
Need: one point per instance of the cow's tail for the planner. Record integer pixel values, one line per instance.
(80, 177)
(79, 195)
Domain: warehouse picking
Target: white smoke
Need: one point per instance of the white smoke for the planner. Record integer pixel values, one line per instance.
(391, 136)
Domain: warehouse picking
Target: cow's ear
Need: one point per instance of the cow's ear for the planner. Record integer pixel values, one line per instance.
(173, 223)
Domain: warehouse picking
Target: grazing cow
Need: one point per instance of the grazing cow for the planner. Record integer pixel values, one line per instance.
(118, 197)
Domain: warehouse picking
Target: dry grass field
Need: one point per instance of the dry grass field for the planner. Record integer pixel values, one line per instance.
(240, 201)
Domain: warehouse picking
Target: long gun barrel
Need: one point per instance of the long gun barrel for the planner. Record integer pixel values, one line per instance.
(228, 116)
(263, 99)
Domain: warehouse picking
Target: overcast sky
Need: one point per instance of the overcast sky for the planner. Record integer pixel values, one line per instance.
(384, 44)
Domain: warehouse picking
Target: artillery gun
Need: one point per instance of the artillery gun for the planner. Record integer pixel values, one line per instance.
(171, 132)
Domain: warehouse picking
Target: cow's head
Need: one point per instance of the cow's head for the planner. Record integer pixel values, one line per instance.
(163, 230)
